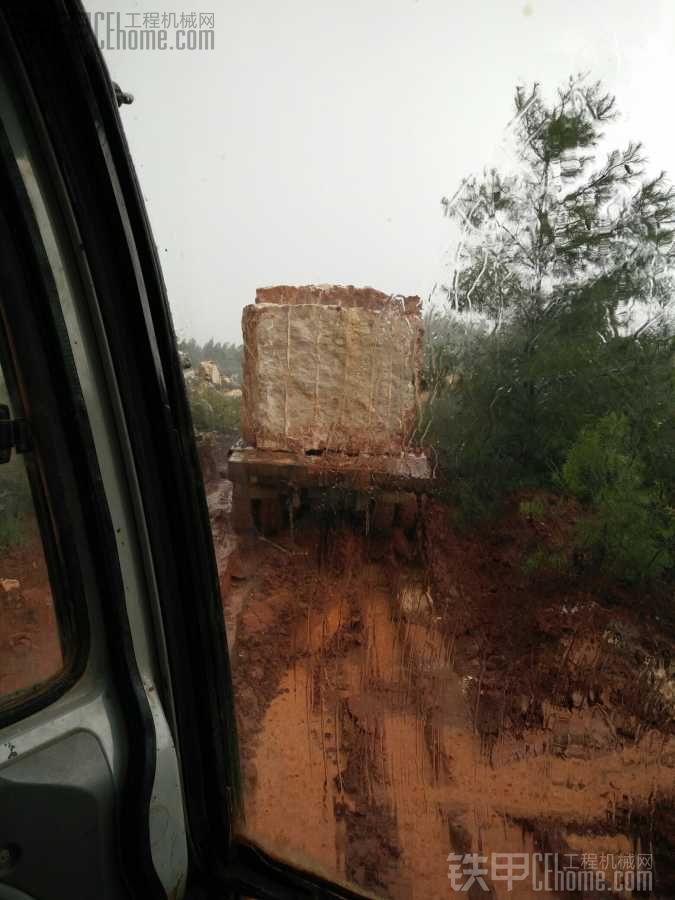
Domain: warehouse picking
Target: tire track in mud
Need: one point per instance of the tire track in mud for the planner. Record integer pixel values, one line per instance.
(375, 743)
(371, 854)
(349, 695)
(306, 702)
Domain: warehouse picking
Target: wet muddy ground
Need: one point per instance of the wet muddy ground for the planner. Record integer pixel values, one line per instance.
(30, 649)
(399, 701)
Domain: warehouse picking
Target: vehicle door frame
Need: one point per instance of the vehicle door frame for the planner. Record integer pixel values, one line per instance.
(61, 59)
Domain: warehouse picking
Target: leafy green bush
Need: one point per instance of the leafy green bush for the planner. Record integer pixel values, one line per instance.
(543, 560)
(509, 422)
(626, 527)
(534, 508)
(212, 409)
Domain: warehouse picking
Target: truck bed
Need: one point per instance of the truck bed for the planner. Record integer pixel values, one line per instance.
(409, 472)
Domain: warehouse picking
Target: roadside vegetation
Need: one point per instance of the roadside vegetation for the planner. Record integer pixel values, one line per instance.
(213, 409)
(550, 365)
(227, 356)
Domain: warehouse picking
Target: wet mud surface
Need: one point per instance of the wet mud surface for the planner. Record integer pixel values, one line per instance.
(30, 649)
(397, 703)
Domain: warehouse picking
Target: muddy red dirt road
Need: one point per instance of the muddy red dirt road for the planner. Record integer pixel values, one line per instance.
(398, 702)
(30, 649)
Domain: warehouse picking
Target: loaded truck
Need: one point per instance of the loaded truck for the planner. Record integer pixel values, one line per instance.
(330, 408)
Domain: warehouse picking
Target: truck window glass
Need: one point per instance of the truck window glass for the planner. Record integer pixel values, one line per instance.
(420, 259)
(30, 646)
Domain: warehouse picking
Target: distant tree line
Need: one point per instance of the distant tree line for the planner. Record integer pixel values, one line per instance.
(227, 356)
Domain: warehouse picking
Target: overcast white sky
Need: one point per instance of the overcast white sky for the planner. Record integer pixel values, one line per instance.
(314, 142)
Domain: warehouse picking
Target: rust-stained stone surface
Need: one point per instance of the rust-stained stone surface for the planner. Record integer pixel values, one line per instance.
(328, 367)
(335, 295)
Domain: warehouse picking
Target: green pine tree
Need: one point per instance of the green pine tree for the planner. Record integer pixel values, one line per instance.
(561, 296)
